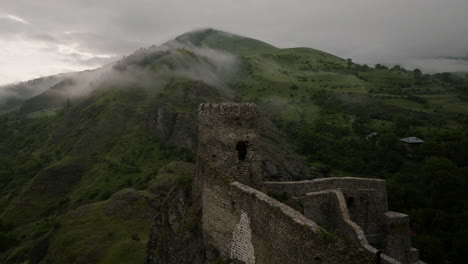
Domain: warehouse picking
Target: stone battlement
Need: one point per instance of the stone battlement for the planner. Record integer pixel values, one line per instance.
(228, 109)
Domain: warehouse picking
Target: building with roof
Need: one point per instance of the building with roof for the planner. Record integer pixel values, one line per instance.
(412, 140)
(411, 143)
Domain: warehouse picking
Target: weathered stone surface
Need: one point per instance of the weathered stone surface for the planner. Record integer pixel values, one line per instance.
(237, 219)
(241, 246)
(355, 208)
(183, 133)
(228, 142)
(175, 235)
(161, 122)
(280, 162)
(177, 129)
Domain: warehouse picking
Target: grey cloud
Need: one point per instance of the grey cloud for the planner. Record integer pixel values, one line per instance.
(215, 69)
(88, 62)
(9, 26)
(411, 33)
(44, 38)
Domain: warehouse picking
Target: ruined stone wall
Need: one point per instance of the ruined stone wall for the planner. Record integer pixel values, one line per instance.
(239, 220)
(246, 224)
(356, 208)
(328, 209)
(397, 240)
(366, 199)
(300, 188)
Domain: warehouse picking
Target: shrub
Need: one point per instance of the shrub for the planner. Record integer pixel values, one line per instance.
(135, 237)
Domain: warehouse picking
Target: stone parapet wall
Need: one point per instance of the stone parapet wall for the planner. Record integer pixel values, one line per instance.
(300, 188)
(356, 208)
(397, 240)
(246, 224)
(227, 109)
(366, 198)
(328, 209)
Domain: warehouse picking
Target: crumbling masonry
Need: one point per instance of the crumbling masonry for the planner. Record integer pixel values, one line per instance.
(245, 224)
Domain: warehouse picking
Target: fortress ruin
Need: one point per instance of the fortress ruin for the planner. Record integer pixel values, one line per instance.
(249, 226)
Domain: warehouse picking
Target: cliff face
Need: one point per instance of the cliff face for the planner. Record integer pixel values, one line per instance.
(175, 234)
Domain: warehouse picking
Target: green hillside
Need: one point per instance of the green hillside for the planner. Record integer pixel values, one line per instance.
(86, 165)
(220, 40)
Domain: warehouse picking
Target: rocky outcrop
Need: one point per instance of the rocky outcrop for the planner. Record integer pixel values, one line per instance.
(176, 129)
(279, 160)
(175, 235)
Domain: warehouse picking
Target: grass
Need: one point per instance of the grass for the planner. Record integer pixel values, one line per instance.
(50, 112)
(96, 234)
(235, 44)
(7, 110)
(99, 232)
(45, 192)
(385, 78)
(407, 104)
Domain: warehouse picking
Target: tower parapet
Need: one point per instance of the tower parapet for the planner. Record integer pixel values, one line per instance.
(228, 140)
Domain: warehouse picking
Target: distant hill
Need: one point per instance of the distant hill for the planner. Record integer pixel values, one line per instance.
(458, 58)
(14, 94)
(225, 41)
(87, 160)
(462, 74)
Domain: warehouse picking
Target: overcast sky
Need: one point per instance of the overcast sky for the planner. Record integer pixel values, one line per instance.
(43, 37)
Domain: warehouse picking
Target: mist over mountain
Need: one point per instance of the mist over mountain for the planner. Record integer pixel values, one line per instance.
(86, 155)
(67, 36)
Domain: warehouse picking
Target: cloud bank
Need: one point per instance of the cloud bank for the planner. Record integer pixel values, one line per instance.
(39, 38)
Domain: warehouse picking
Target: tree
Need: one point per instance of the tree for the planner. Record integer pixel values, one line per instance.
(396, 68)
(68, 103)
(401, 126)
(417, 73)
(436, 172)
(380, 67)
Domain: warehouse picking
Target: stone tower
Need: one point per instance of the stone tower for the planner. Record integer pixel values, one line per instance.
(228, 148)
(228, 152)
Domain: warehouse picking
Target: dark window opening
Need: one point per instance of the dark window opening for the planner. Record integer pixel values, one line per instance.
(349, 201)
(241, 148)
